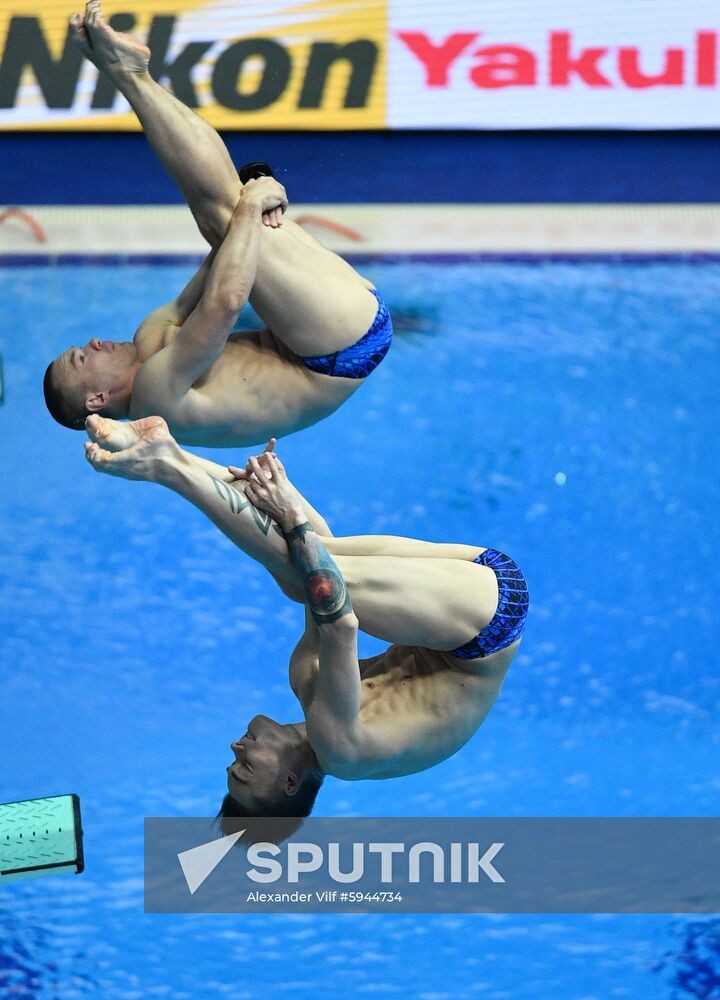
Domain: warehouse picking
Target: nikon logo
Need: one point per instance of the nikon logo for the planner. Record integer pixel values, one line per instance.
(26, 48)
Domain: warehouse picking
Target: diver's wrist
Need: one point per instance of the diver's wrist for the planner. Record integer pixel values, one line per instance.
(293, 519)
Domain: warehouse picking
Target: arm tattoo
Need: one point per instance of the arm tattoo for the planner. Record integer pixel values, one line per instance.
(237, 503)
(298, 532)
(327, 595)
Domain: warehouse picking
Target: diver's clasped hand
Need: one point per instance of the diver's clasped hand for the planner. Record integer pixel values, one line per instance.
(268, 196)
(268, 488)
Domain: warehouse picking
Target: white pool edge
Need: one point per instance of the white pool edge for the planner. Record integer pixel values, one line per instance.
(378, 230)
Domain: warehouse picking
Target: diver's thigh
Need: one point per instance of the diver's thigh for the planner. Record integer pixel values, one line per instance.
(438, 603)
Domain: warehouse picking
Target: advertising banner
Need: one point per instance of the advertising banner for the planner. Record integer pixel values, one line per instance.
(266, 64)
(369, 64)
(554, 64)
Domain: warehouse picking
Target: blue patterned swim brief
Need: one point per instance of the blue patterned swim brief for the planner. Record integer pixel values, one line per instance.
(362, 357)
(508, 621)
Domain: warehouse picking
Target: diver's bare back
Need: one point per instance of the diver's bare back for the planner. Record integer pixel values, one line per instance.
(258, 387)
(419, 707)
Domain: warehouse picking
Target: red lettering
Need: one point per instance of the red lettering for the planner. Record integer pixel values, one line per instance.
(706, 59)
(500, 66)
(504, 66)
(672, 75)
(437, 59)
(585, 64)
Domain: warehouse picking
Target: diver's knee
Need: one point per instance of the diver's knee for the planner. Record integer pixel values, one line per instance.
(213, 223)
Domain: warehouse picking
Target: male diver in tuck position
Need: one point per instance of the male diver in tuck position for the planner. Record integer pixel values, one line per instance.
(453, 613)
(327, 328)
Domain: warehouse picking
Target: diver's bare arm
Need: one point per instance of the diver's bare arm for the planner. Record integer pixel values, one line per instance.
(175, 312)
(229, 509)
(221, 475)
(304, 659)
(267, 459)
(338, 691)
(234, 476)
(222, 499)
(144, 450)
(193, 291)
(338, 686)
(326, 592)
(226, 289)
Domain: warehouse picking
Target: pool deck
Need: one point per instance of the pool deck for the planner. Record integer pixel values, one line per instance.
(438, 230)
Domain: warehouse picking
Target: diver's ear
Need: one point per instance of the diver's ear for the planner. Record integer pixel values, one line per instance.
(292, 783)
(95, 401)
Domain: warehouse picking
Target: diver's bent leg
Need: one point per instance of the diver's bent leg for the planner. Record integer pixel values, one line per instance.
(116, 436)
(145, 450)
(190, 150)
(220, 472)
(226, 506)
(437, 603)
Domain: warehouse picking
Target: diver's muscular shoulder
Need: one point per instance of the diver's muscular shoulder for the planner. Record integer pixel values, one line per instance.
(156, 331)
(154, 393)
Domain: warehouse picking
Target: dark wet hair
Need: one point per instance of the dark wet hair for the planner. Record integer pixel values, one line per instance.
(273, 824)
(56, 403)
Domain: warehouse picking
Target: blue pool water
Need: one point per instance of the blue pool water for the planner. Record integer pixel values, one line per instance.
(564, 413)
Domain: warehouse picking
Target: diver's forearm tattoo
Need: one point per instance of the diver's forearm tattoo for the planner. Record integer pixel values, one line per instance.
(237, 503)
(327, 594)
(298, 532)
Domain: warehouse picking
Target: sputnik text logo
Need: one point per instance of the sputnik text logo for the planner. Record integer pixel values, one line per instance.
(385, 861)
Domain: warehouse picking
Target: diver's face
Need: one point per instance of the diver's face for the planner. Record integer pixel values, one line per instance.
(94, 366)
(257, 769)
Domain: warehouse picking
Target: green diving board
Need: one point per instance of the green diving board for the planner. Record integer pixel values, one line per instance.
(40, 837)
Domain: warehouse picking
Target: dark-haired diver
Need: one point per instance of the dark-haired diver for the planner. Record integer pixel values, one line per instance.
(326, 330)
(453, 613)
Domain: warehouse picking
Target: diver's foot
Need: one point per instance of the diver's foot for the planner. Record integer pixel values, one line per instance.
(141, 449)
(113, 435)
(113, 52)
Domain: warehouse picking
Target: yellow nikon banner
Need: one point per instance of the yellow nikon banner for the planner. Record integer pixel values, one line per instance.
(258, 64)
